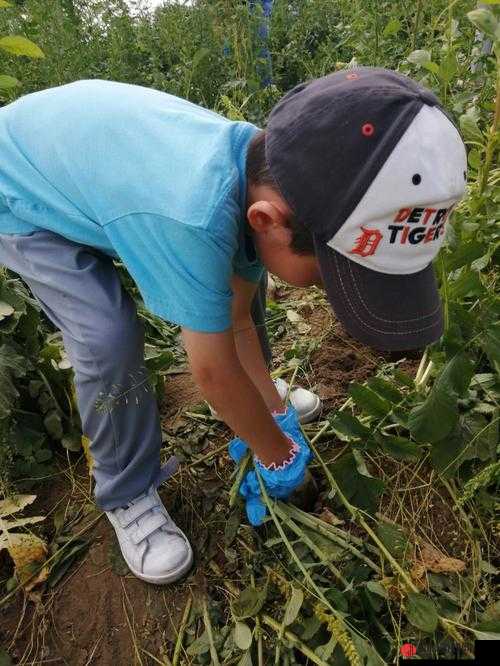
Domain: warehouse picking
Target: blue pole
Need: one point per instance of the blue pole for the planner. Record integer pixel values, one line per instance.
(265, 68)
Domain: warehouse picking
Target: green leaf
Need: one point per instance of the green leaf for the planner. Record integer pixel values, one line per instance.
(469, 126)
(421, 612)
(348, 426)
(199, 646)
(447, 454)
(5, 660)
(293, 606)
(485, 20)
(394, 539)
(467, 284)
(21, 46)
(53, 425)
(8, 82)
(466, 253)
(391, 28)
(403, 378)
(490, 342)
(4, 3)
(435, 418)
(362, 491)
(248, 603)
(368, 400)
(385, 389)
(6, 310)
(246, 659)
(419, 57)
(242, 635)
(400, 448)
(486, 635)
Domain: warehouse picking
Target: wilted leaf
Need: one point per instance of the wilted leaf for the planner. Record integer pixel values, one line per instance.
(88, 454)
(28, 552)
(248, 603)
(15, 503)
(242, 635)
(430, 559)
(18, 45)
(293, 606)
(293, 316)
(421, 612)
(328, 517)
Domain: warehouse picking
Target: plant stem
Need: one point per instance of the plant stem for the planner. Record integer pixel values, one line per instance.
(298, 644)
(311, 545)
(323, 529)
(182, 629)
(208, 626)
(416, 26)
(493, 138)
(233, 493)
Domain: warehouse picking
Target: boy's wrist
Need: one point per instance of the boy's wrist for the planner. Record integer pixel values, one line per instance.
(277, 453)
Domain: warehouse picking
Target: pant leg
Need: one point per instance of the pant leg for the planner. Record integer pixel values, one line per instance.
(80, 291)
(259, 319)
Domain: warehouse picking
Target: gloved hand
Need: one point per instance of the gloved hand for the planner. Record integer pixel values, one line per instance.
(279, 482)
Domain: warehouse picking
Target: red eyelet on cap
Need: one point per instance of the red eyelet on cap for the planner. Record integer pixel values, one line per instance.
(367, 129)
(352, 75)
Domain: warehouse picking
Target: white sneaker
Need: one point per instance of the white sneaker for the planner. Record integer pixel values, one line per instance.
(306, 403)
(154, 548)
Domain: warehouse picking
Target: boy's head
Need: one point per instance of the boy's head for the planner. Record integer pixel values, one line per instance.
(359, 171)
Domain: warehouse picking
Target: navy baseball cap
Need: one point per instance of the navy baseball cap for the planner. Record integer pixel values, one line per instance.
(373, 166)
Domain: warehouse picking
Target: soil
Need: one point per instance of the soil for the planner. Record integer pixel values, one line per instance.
(97, 615)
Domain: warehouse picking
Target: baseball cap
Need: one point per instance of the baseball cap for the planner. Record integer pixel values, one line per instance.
(373, 166)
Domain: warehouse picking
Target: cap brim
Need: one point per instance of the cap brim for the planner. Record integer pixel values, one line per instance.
(387, 312)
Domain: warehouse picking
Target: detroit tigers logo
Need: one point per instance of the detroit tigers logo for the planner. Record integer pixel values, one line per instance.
(367, 242)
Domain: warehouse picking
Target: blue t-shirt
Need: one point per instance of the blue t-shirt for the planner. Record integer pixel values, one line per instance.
(140, 175)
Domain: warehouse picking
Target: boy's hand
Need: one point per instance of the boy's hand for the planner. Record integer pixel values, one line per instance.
(280, 481)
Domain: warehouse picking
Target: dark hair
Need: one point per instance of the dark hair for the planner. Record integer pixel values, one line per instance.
(259, 173)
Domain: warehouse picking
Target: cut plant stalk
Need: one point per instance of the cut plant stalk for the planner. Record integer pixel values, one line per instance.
(290, 636)
(310, 544)
(297, 561)
(182, 629)
(208, 626)
(357, 516)
(323, 528)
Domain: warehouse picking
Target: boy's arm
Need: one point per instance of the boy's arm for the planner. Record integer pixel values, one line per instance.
(227, 387)
(248, 345)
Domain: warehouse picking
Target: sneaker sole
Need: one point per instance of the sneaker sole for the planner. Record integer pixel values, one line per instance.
(171, 577)
(312, 413)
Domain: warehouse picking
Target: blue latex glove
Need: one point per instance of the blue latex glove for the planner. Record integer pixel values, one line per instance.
(279, 483)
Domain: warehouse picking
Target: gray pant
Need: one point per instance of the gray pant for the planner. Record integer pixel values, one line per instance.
(79, 290)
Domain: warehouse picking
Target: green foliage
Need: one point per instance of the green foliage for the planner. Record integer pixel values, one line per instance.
(448, 416)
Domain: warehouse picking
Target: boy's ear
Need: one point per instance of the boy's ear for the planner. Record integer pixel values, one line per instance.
(264, 216)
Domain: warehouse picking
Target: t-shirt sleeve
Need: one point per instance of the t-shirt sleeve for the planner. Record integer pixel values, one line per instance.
(183, 272)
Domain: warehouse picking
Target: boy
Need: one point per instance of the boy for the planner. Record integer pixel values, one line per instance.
(350, 186)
